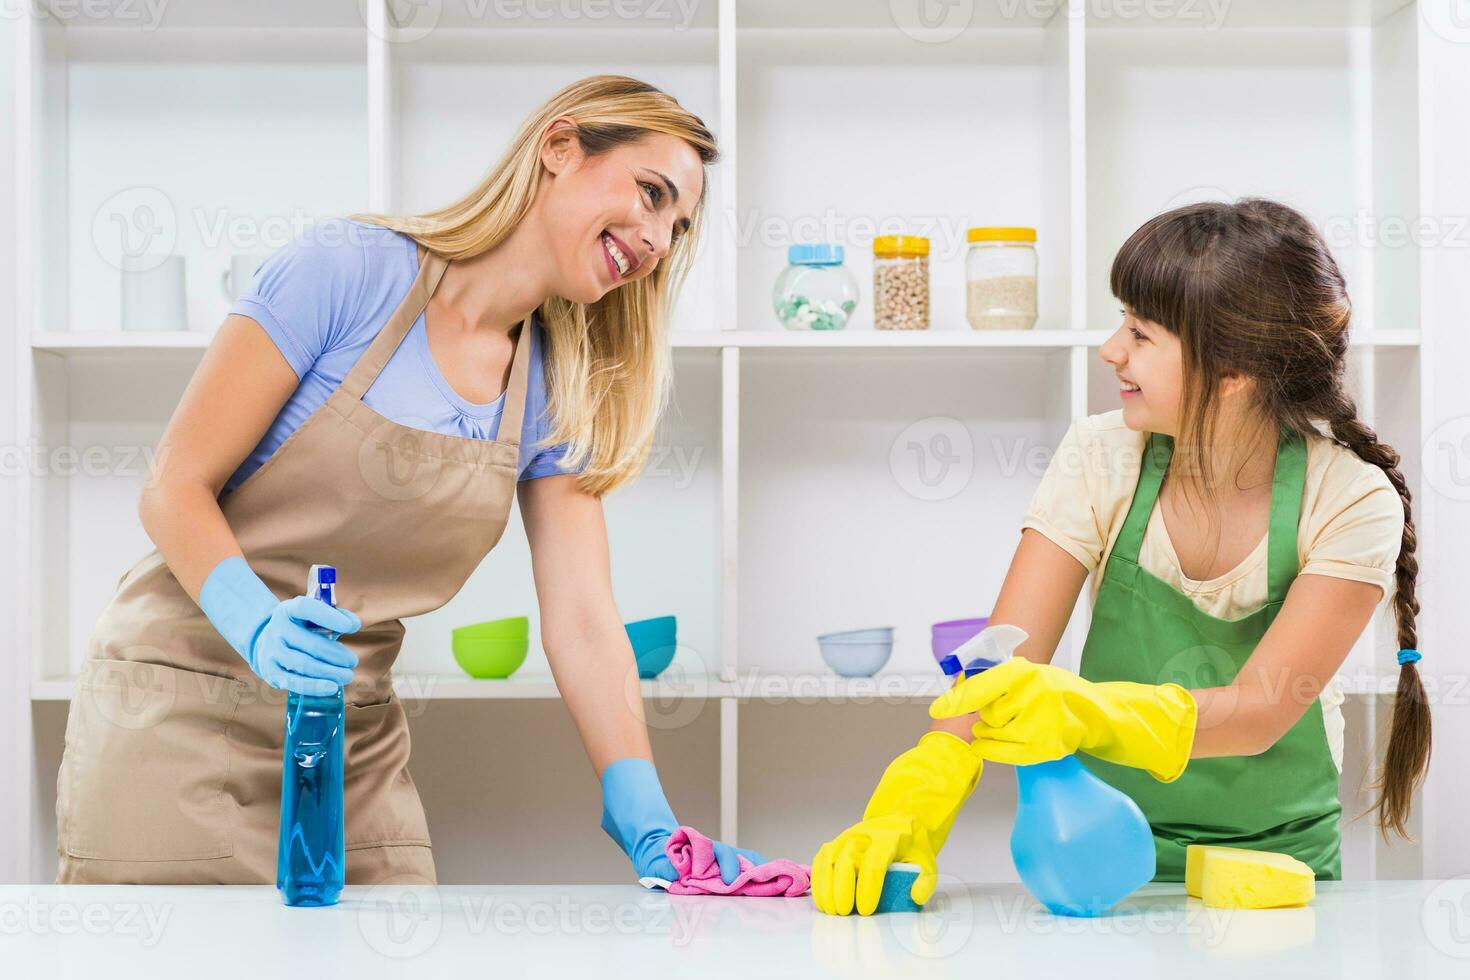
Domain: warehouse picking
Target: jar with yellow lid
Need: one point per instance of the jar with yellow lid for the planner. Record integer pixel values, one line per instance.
(1000, 278)
(901, 282)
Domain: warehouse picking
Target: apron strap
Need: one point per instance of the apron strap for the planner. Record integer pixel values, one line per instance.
(1287, 485)
(1156, 454)
(513, 411)
(371, 363)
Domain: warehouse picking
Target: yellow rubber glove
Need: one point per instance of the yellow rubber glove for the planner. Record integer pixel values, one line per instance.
(1032, 712)
(908, 819)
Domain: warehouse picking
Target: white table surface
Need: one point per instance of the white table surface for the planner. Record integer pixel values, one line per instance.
(1406, 930)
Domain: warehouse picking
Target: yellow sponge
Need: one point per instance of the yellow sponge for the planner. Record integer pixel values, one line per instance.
(1236, 878)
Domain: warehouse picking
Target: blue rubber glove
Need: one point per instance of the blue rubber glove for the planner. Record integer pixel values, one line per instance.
(274, 636)
(637, 817)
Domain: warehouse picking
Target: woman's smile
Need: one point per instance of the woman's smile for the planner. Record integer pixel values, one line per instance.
(619, 256)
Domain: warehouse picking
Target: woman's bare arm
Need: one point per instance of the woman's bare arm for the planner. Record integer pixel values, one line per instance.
(1038, 595)
(581, 630)
(229, 403)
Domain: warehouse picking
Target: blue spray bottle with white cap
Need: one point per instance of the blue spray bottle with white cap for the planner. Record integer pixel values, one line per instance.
(1079, 845)
(310, 854)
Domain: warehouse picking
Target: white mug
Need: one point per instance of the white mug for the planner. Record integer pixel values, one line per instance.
(235, 279)
(153, 293)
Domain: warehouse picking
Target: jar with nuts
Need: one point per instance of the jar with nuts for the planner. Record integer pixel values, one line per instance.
(901, 282)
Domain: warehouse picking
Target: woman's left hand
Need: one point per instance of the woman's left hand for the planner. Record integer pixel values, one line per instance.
(1032, 712)
(636, 815)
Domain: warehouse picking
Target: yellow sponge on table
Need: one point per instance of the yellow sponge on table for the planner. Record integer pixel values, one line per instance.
(1237, 878)
(1194, 866)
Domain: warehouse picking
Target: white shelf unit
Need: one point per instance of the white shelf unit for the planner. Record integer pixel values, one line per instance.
(802, 482)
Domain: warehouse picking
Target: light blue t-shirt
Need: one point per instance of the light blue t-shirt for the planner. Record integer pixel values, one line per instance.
(324, 297)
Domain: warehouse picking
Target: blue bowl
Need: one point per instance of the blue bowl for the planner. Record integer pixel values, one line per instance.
(654, 643)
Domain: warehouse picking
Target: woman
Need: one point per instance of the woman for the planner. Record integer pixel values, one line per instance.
(347, 414)
(1232, 572)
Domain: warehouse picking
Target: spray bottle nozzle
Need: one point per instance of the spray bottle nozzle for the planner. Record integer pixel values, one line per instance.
(997, 642)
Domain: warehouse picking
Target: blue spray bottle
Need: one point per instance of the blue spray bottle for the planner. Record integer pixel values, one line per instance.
(310, 855)
(1079, 845)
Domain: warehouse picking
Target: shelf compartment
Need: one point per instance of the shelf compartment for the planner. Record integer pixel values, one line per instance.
(827, 116)
(1174, 117)
(445, 133)
(141, 153)
(111, 410)
(887, 494)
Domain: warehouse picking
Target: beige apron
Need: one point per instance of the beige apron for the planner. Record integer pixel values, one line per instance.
(172, 766)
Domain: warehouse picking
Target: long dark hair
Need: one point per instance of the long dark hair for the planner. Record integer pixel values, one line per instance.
(1250, 289)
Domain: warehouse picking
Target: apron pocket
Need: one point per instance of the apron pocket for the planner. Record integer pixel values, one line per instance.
(143, 773)
(381, 801)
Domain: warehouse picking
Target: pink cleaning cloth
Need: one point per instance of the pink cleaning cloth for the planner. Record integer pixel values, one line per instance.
(693, 857)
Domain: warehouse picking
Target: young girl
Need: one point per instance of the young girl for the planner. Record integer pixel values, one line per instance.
(1242, 524)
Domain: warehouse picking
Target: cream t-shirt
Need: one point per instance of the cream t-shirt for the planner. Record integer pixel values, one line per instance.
(1351, 526)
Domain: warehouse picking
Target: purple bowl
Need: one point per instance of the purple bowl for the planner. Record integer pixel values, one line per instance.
(946, 637)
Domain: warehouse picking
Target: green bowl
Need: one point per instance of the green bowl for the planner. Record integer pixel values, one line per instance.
(514, 628)
(490, 657)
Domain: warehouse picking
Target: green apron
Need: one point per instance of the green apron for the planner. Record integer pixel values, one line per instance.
(1145, 630)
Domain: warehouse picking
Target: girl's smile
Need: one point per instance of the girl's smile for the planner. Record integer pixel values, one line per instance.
(1149, 363)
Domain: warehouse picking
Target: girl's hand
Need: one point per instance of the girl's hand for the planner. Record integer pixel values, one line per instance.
(908, 819)
(1032, 713)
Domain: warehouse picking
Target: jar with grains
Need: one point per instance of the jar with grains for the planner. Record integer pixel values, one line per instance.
(1000, 278)
(901, 282)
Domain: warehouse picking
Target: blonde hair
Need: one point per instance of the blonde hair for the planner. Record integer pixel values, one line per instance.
(607, 363)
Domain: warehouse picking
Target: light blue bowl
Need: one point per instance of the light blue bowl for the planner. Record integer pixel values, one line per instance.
(862, 658)
(655, 641)
(882, 634)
